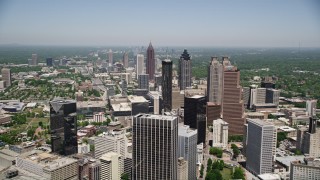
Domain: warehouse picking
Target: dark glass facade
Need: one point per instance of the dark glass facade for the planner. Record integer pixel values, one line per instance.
(150, 62)
(49, 62)
(167, 84)
(63, 126)
(195, 115)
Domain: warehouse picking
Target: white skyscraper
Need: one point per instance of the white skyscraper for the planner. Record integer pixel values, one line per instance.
(187, 148)
(110, 55)
(111, 166)
(220, 133)
(311, 107)
(154, 146)
(215, 73)
(261, 146)
(140, 64)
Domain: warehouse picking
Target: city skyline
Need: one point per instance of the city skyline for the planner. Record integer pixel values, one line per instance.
(205, 23)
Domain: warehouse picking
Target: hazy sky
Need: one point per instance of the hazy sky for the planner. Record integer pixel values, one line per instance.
(165, 23)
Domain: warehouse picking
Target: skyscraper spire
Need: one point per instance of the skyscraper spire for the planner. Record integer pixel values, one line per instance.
(150, 62)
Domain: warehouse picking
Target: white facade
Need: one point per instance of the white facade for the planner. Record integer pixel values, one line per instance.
(187, 148)
(311, 107)
(140, 64)
(115, 141)
(200, 153)
(83, 148)
(220, 133)
(261, 146)
(99, 117)
(309, 170)
(182, 169)
(111, 166)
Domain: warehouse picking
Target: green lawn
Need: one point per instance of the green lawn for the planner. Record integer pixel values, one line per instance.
(226, 173)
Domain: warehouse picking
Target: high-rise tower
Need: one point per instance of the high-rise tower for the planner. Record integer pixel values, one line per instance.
(140, 64)
(232, 105)
(167, 84)
(185, 71)
(150, 62)
(6, 76)
(215, 72)
(125, 60)
(154, 147)
(63, 126)
(34, 59)
(110, 55)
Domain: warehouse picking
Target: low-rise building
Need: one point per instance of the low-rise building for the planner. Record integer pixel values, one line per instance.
(307, 169)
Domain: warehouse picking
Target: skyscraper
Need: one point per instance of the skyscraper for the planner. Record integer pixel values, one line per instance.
(112, 166)
(140, 64)
(154, 147)
(195, 115)
(261, 146)
(185, 71)
(49, 62)
(232, 105)
(150, 62)
(125, 60)
(214, 90)
(311, 107)
(6, 76)
(110, 56)
(220, 133)
(34, 59)
(63, 124)
(187, 148)
(167, 84)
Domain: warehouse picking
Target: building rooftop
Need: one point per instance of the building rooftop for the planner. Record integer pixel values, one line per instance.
(185, 130)
(260, 122)
(269, 176)
(286, 128)
(286, 160)
(86, 104)
(154, 116)
(136, 99)
(108, 156)
(121, 107)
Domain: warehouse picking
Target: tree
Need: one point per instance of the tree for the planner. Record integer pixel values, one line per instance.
(238, 173)
(124, 176)
(92, 148)
(281, 136)
(235, 150)
(30, 132)
(40, 123)
(201, 170)
(216, 151)
(209, 165)
(214, 175)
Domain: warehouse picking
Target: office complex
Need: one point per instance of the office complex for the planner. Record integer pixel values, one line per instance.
(112, 166)
(232, 105)
(185, 71)
(125, 60)
(167, 84)
(155, 102)
(220, 133)
(63, 126)
(140, 64)
(261, 141)
(182, 170)
(187, 148)
(110, 56)
(308, 139)
(143, 81)
(154, 146)
(34, 59)
(114, 141)
(195, 115)
(272, 96)
(150, 62)
(6, 77)
(311, 107)
(215, 72)
(49, 62)
(308, 169)
(213, 112)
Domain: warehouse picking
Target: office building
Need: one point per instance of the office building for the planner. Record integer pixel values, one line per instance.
(157, 81)
(220, 133)
(49, 62)
(246, 93)
(48, 166)
(63, 126)
(154, 146)
(178, 100)
(125, 60)
(311, 107)
(34, 59)
(112, 166)
(272, 96)
(139, 104)
(114, 141)
(261, 145)
(6, 77)
(185, 70)
(150, 61)
(124, 87)
(140, 65)
(232, 105)
(307, 169)
(195, 115)
(308, 140)
(110, 56)
(214, 90)
(182, 170)
(213, 112)
(167, 84)
(187, 149)
(143, 81)
(156, 102)
(261, 96)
